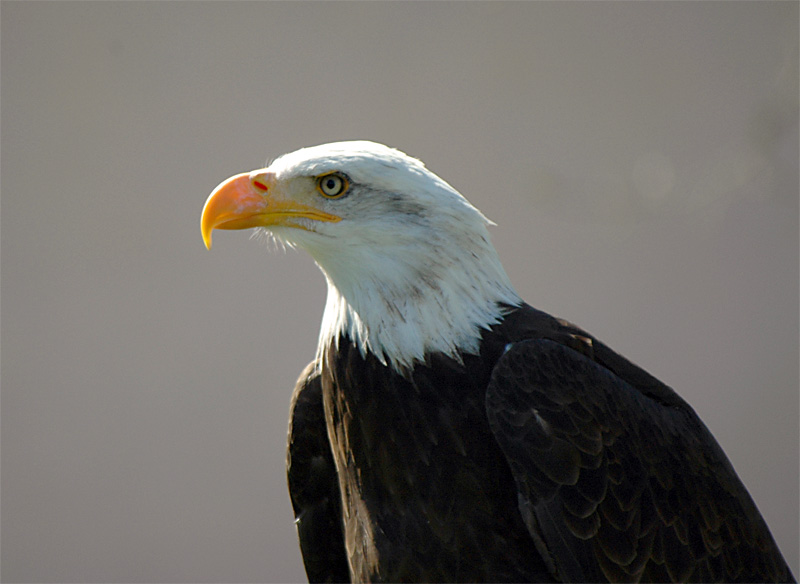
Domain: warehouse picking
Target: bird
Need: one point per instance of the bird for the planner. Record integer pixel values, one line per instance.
(447, 431)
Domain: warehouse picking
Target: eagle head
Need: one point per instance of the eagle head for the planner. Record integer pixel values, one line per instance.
(408, 260)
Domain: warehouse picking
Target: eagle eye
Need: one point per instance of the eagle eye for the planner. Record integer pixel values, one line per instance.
(332, 185)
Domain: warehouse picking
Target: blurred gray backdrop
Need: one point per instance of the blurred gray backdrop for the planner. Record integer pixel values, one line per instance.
(640, 160)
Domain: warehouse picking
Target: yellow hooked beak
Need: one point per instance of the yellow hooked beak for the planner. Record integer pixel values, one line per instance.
(245, 201)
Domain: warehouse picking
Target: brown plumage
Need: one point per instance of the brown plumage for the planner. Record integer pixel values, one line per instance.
(552, 459)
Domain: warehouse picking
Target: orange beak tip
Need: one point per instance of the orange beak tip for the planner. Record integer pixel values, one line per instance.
(221, 203)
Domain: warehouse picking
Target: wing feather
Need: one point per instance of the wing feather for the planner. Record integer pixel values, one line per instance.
(313, 486)
(619, 482)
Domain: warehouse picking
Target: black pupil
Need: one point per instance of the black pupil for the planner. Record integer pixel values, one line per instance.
(330, 184)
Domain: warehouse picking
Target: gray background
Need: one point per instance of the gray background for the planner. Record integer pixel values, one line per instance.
(641, 161)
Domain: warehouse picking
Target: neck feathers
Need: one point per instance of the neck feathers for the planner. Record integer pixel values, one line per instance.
(418, 306)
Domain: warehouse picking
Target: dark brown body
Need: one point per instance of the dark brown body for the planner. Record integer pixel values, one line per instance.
(547, 457)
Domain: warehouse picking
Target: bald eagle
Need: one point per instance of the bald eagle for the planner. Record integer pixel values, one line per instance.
(448, 431)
